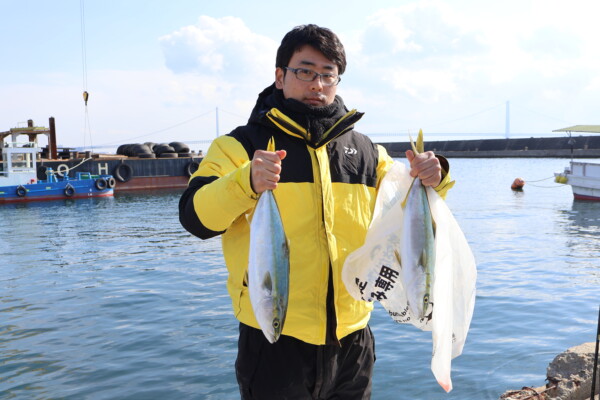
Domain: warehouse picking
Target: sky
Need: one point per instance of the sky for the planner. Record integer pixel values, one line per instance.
(190, 70)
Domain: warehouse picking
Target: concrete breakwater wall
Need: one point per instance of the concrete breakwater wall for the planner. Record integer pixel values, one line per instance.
(576, 146)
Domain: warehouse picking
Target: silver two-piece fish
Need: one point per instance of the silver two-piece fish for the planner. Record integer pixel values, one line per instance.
(417, 245)
(268, 267)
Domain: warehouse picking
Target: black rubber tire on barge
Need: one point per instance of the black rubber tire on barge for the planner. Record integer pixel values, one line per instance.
(150, 145)
(123, 172)
(101, 184)
(180, 147)
(21, 191)
(111, 182)
(69, 191)
(191, 168)
(138, 149)
(162, 149)
(121, 150)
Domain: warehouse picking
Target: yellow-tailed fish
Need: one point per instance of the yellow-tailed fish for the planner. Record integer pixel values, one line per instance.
(268, 265)
(417, 245)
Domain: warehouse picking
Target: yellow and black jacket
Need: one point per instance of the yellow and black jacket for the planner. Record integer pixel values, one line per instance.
(326, 197)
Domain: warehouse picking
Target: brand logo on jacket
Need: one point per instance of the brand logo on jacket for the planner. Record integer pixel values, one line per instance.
(350, 151)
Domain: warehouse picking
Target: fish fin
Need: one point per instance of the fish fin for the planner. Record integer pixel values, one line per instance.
(271, 144)
(397, 255)
(433, 224)
(267, 282)
(423, 259)
(419, 146)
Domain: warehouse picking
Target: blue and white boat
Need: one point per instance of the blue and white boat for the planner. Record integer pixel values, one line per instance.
(583, 177)
(19, 178)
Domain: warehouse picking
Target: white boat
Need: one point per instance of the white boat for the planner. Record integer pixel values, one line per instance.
(583, 177)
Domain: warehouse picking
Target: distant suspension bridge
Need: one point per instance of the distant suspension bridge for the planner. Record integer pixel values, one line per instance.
(401, 135)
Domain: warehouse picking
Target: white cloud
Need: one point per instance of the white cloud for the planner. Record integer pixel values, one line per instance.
(440, 61)
(220, 48)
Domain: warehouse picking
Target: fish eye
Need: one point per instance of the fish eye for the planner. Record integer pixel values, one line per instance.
(276, 323)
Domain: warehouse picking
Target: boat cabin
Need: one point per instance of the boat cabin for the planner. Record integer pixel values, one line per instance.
(18, 164)
(18, 159)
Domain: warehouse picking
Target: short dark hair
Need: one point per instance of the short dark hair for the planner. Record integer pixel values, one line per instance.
(322, 39)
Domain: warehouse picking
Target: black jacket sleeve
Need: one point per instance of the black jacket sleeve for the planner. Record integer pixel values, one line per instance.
(187, 215)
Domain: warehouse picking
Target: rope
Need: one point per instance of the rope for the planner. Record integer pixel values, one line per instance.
(83, 47)
(529, 183)
(466, 116)
(87, 130)
(235, 115)
(68, 169)
(548, 187)
(544, 179)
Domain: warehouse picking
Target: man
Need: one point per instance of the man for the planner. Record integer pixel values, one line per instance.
(325, 177)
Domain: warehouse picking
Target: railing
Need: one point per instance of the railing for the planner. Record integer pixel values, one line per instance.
(13, 145)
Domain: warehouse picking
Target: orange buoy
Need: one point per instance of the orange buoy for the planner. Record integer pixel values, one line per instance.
(518, 184)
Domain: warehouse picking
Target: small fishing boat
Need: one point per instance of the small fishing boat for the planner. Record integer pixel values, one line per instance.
(19, 181)
(583, 177)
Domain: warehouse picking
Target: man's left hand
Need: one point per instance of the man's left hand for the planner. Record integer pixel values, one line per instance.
(426, 166)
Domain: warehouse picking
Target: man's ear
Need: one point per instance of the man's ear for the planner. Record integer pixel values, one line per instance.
(279, 75)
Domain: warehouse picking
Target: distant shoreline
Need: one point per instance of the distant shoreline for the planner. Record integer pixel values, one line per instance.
(563, 147)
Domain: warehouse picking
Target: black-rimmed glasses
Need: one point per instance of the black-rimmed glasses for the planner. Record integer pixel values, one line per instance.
(308, 75)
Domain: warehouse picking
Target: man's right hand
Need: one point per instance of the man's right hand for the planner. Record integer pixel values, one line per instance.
(265, 169)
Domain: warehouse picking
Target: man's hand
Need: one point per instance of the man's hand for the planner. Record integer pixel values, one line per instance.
(265, 169)
(426, 166)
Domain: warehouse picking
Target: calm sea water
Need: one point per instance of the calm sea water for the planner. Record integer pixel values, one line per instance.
(112, 299)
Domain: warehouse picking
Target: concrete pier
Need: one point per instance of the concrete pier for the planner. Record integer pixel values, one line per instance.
(562, 147)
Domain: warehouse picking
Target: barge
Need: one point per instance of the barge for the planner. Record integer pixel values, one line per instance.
(137, 167)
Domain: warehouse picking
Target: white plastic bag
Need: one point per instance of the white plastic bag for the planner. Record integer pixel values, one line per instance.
(372, 272)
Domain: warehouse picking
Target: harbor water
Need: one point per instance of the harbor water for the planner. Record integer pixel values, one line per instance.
(110, 298)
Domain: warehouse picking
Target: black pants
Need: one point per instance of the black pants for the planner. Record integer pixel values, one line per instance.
(292, 369)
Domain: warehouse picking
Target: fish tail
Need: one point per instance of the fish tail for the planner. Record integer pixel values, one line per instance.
(418, 147)
(420, 144)
(412, 144)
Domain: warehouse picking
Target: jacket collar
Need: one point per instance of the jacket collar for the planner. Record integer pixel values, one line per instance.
(291, 127)
(316, 125)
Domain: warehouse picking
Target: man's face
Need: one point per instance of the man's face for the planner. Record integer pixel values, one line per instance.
(311, 93)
